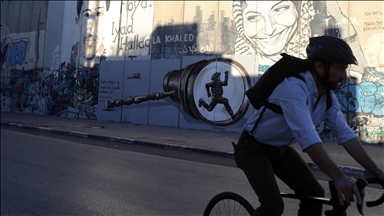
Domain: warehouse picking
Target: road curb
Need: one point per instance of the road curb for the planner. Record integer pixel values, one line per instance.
(352, 171)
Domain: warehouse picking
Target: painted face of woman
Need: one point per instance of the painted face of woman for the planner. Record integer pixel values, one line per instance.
(270, 24)
(92, 27)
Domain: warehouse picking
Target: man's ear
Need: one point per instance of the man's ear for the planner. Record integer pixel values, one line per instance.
(319, 68)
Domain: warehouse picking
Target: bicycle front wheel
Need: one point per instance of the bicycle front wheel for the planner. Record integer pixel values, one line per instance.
(228, 203)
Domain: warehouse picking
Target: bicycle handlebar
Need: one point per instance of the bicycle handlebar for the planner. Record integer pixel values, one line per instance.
(361, 184)
(381, 199)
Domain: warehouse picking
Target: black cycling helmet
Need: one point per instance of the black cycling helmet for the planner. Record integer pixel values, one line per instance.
(330, 49)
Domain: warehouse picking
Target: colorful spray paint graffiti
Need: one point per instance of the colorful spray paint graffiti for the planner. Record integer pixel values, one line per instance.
(16, 53)
(21, 87)
(74, 86)
(68, 88)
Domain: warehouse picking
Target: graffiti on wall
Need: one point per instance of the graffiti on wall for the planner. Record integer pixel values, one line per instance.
(265, 29)
(127, 34)
(268, 28)
(21, 88)
(181, 41)
(199, 90)
(272, 27)
(124, 33)
(74, 81)
(196, 36)
(16, 52)
(128, 30)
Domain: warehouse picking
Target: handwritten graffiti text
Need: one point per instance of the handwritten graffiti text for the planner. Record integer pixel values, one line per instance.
(132, 6)
(128, 43)
(122, 30)
(109, 86)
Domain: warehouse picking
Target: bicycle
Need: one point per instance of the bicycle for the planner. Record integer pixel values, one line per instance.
(229, 203)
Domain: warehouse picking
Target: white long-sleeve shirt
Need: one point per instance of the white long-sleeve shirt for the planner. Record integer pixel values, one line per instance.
(301, 117)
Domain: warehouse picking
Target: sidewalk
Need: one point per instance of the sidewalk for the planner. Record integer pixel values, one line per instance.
(202, 141)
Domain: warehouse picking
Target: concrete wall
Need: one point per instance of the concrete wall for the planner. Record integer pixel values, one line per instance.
(147, 62)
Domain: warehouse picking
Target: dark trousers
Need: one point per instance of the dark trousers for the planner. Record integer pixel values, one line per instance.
(261, 163)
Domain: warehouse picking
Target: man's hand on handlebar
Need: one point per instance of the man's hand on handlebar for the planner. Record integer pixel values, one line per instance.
(346, 190)
(360, 184)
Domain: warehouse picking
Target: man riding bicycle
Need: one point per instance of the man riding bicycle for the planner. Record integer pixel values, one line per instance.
(264, 151)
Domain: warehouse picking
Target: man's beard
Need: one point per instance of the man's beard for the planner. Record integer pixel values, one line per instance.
(332, 85)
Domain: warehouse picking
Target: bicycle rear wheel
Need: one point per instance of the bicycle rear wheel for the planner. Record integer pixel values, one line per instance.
(228, 203)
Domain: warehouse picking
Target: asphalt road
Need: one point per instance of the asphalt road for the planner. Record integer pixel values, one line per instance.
(45, 174)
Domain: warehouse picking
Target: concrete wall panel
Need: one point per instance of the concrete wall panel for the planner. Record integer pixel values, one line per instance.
(12, 16)
(164, 111)
(54, 32)
(4, 12)
(111, 87)
(25, 17)
(136, 87)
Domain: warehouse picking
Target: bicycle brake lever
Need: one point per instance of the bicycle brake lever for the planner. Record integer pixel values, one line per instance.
(361, 183)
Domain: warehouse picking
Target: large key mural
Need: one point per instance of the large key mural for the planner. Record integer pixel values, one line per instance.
(179, 63)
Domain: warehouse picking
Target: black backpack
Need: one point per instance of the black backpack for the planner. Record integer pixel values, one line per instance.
(287, 66)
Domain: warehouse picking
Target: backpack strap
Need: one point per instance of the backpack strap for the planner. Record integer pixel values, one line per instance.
(329, 100)
(258, 119)
(276, 108)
